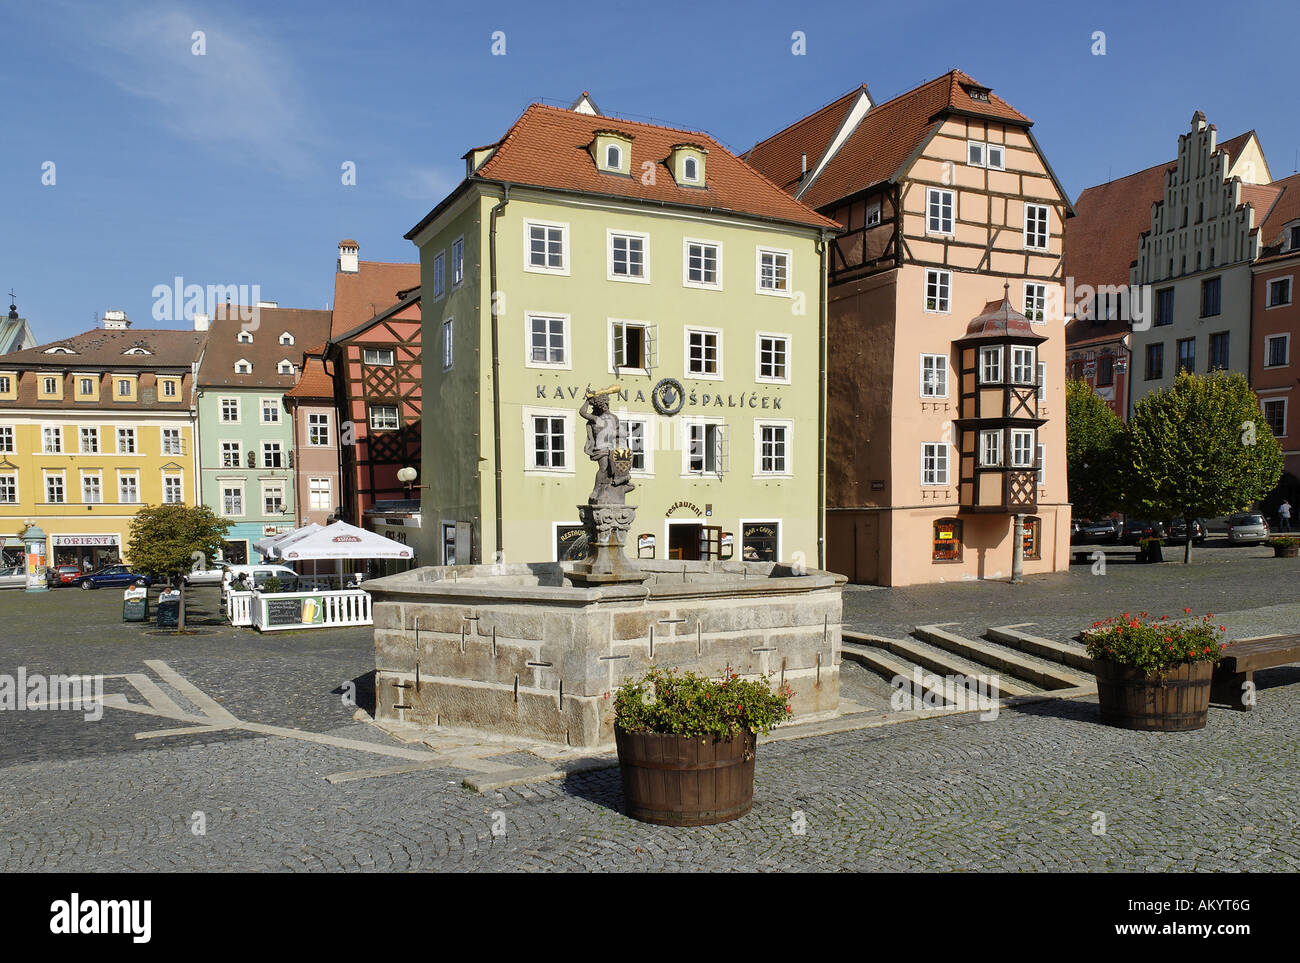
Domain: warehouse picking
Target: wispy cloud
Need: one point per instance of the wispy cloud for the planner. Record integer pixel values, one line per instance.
(241, 94)
(425, 184)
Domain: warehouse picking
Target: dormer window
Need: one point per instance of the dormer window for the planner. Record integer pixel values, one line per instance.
(687, 164)
(691, 169)
(59, 349)
(1293, 238)
(244, 337)
(243, 366)
(612, 152)
(286, 338)
(137, 351)
(286, 367)
(614, 156)
(978, 93)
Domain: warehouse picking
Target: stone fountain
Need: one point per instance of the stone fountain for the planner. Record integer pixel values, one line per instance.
(536, 650)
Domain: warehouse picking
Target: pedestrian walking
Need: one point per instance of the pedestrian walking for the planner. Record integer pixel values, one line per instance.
(1284, 516)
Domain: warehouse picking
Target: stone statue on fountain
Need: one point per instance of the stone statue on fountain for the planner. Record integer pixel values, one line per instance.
(607, 517)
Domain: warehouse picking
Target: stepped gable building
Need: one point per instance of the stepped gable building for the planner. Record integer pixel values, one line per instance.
(252, 358)
(583, 251)
(941, 432)
(375, 354)
(92, 428)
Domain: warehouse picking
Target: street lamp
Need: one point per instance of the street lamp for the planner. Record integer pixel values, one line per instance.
(407, 477)
(34, 545)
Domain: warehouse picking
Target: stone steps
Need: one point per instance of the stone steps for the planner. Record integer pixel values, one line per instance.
(890, 657)
(1061, 652)
(1040, 672)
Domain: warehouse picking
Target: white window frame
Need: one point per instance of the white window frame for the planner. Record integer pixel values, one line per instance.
(1268, 292)
(89, 430)
(286, 337)
(311, 426)
(610, 235)
(458, 262)
(8, 439)
(872, 214)
(1028, 460)
(273, 487)
(378, 354)
(563, 228)
(530, 440)
(52, 433)
(12, 478)
(180, 488)
(647, 452)
(942, 282)
(985, 353)
(285, 367)
(983, 153)
(127, 431)
(984, 436)
(370, 418)
(1047, 227)
(313, 484)
(1041, 455)
(942, 367)
(440, 275)
(686, 425)
(1286, 351)
(1285, 412)
(245, 336)
(448, 344)
(170, 386)
(989, 148)
(62, 475)
(689, 164)
(226, 446)
(97, 476)
(278, 448)
(715, 285)
(942, 451)
(931, 194)
(275, 405)
(1040, 298)
(617, 150)
(243, 366)
(649, 331)
(122, 478)
(1042, 381)
(686, 353)
(566, 362)
(759, 337)
(164, 442)
(787, 427)
(1020, 366)
(221, 410)
(231, 486)
(788, 254)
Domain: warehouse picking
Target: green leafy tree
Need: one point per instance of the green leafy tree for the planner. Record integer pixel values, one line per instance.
(1199, 448)
(1093, 436)
(168, 541)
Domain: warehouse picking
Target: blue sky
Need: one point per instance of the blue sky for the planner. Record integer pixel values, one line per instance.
(226, 168)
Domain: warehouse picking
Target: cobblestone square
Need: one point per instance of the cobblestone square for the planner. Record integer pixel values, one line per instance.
(1045, 786)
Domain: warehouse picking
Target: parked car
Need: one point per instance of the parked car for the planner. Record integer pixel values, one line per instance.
(1105, 530)
(58, 575)
(1177, 530)
(1136, 529)
(210, 574)
(110, 575)
(1247, 528)
(14, 576)
(260, 573)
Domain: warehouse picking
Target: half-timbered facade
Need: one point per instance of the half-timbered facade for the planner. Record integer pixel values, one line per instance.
(952, 216)
(378, 376)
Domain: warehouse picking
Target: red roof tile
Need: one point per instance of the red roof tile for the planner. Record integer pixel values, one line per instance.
(314, 383)
(547, 147)
(1285, 208)
(373, 288)
(1101, 240)
(883, 140)
(780, 157)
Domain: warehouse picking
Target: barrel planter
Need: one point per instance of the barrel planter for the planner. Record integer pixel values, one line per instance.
(1177, 700)
(678, 780)
(1285, 551)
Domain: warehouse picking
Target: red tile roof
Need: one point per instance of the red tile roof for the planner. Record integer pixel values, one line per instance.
(314, 383)
(265, 351)
(374, 287)
(547, 147)
(1101, 240)
(884, 139)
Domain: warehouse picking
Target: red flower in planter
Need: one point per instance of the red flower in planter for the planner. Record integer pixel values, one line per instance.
(1186, 610)
(1163, 617)
(1223, 628)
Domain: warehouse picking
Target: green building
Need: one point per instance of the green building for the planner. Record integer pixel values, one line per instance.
(245, 428)
(622, 253)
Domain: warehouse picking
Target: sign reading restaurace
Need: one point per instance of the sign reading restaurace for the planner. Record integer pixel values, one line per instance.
(694, 397)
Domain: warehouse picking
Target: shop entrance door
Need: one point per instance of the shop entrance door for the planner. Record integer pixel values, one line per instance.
(684, 540)
(235, 553)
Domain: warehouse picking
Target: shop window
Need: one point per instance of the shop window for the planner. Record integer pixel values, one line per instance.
(760, 542)
(1032, 543)
(947, 540)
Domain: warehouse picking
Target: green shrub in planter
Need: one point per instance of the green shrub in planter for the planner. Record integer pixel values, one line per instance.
(1285, 547)
(687, 704)
(1154, 644)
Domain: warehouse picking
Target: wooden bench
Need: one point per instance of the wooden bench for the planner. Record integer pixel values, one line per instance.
(1242, 659)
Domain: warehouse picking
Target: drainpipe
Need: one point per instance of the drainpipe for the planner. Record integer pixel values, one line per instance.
(496, 366)
(822, 295)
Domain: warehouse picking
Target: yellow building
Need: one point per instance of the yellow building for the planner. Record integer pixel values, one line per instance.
(92, 429)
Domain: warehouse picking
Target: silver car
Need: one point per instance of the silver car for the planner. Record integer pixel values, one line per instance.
(1247, 529)
(209, 574)
(15, 576)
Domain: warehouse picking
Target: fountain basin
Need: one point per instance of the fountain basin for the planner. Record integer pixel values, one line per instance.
(521, 650)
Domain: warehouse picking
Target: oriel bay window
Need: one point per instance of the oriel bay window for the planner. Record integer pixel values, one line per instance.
(1023, 368)
(1022, 448)
(991, 448)
(991, 365)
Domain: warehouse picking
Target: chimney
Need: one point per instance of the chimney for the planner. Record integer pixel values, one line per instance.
(116, 321)
(803, 164)
(348, 251)
(268, 304)
(202, 322)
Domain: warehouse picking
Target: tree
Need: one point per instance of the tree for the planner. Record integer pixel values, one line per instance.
(168, 541)
(1199, 448)
(1093, 434)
